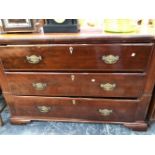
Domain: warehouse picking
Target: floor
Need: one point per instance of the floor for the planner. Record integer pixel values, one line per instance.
(59, 128)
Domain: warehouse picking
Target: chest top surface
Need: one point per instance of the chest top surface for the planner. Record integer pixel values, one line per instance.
(96, 36)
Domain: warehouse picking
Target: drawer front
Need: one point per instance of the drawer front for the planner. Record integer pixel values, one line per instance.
(106, 57)
(75, 108)
(76, 84)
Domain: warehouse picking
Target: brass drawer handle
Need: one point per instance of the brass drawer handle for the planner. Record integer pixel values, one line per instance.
(108, 86)
(33, 59)
(39, 86)
(110, 59)
(105, 112)
(44, 109)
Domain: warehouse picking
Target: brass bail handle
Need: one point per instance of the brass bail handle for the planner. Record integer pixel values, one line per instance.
(105, 112)
(108, 86)
(110, 59)
(39, 86)
(33, 59)
(44, 109)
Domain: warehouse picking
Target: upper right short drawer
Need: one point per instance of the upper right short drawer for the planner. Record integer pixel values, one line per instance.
(77, 57)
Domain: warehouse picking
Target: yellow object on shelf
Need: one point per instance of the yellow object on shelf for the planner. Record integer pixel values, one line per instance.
(120, 25)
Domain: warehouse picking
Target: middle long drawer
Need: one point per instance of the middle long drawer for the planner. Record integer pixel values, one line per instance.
(76, 84)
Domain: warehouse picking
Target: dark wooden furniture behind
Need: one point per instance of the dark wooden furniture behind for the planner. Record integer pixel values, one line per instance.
(78, 77)
(151, 113)
(2, 106)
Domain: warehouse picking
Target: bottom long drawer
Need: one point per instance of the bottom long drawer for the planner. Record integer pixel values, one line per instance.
(75, 108)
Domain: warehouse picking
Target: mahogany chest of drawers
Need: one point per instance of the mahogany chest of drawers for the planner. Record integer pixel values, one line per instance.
(78, 77)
